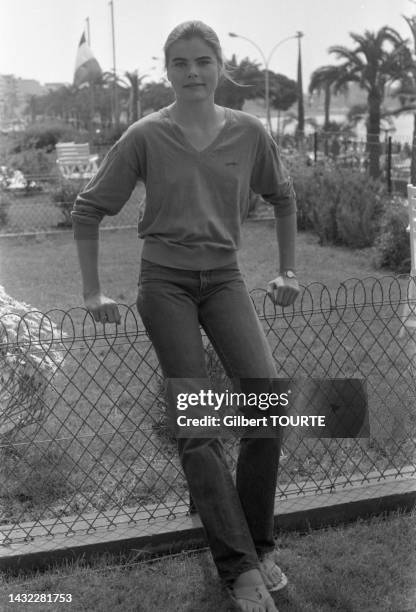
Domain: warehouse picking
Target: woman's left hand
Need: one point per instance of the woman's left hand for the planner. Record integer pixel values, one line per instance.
(283, 291)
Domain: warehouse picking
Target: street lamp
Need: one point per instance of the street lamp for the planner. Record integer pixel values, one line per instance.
(301, 110)
(266, 62)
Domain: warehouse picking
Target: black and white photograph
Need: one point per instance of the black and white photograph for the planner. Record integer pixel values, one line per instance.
(208, 306)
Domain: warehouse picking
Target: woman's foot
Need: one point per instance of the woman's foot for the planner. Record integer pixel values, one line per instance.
(249, 593)
(272, 575)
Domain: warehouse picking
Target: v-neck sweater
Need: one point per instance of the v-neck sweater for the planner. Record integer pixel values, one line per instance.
(196, 200)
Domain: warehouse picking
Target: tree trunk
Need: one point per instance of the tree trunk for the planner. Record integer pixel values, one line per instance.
(373, 133)
(327, 105)
(134, 99)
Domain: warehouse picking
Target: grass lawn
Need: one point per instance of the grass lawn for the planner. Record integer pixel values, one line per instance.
(366, 566)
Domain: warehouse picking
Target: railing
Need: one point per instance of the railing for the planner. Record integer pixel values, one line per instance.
(83, 432)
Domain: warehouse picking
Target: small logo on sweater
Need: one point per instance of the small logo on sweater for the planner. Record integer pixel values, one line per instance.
(231, 163)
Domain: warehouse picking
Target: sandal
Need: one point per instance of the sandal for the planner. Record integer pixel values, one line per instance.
(254, 598)
(272, 575)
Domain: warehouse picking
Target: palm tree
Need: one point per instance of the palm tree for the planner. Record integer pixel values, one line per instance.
(327, 79)
(377, 60)
(249, 79)
(118, 88)
(135, 107)
(133, 79)
(330, 80)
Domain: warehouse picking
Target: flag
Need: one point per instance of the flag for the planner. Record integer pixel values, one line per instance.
(87, 68)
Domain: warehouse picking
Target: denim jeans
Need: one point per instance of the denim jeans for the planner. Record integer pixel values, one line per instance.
(173, 304)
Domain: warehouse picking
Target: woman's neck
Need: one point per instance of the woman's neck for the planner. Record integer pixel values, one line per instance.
(196, 114)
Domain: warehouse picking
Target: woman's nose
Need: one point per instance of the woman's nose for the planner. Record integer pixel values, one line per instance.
(192, 70)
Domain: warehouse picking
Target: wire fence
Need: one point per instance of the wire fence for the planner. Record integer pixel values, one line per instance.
(39, 213)
(84, 437)
(47, 206)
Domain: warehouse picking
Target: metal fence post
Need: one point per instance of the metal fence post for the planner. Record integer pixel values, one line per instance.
(389, 164)
(315, 147)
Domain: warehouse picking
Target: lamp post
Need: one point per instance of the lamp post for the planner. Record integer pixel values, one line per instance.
(301, 109)
(115, 91)
(266, 61)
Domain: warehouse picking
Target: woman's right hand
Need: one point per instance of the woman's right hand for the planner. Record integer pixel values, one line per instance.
(103, 309)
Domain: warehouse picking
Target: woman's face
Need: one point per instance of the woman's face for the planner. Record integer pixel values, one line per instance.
(193, 70)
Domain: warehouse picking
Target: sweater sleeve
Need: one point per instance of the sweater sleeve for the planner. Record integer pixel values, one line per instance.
(109, 189)
(269, 177)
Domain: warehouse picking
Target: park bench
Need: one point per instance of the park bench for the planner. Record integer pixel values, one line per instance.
(75, 161)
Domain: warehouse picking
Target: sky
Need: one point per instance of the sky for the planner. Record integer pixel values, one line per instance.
(39, 38)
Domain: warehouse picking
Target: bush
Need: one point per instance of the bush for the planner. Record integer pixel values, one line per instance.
(106, 137)
(64, 196)
(341, 205)
(45, 136)
(5, 203)
(362, 201)
(304, 185)
(393, 242)
(33, 162)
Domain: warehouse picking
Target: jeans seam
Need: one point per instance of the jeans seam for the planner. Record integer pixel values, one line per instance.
(218, 350)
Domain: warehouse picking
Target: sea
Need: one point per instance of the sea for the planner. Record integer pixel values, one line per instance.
(400, 128)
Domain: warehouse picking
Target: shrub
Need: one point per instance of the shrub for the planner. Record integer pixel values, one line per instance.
(361, 204)
(341, 205)
(45, 136)
(304, 184)
(392, 243)
(323, 201)
(107, 137)
(302, 175)
(64, 197)
(33, 162)
(5, 203)
(317, 193)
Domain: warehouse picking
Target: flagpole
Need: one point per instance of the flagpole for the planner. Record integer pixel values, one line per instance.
(116, 117)
(88, 31)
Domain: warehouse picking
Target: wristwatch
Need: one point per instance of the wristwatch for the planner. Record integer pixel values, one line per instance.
(288, 273)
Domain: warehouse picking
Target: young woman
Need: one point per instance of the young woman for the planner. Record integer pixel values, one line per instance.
(199, 162)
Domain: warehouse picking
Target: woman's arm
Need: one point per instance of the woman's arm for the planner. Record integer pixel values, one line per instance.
(282, 289)
(271, 179)
(104, 309)
(106, 193)
(286, 228)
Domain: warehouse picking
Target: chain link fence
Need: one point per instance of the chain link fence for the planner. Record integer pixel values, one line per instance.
(84, 439)
(44, 210)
